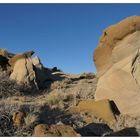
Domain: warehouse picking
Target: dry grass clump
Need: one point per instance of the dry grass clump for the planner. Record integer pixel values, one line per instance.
(30, 119)
(54, 98)
(6, 124)
(61, 99)
(8, 87)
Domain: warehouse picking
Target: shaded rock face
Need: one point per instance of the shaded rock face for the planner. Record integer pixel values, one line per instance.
(43, 75)
(94, 129)
(126, 132)
(118, 66)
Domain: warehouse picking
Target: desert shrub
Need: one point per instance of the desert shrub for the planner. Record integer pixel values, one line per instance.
(6, 124)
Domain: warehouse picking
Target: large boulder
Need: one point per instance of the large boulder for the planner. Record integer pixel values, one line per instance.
(117, 59)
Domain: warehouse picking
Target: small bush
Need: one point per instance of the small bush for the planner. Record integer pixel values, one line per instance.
(55, 98)
(64, 84)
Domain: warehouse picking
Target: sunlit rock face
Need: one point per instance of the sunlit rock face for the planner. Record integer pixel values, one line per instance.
(24, 69)
(117, 59)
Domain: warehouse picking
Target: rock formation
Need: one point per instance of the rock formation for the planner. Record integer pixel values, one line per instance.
(24, 69)
(117, 59)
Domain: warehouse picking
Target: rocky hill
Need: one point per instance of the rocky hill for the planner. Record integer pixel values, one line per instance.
(40, 101)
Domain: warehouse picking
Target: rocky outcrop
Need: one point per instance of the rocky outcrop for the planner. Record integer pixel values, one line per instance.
(25, 70)
(118, 67)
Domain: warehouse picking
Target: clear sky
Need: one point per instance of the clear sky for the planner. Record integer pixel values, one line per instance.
(62, 35)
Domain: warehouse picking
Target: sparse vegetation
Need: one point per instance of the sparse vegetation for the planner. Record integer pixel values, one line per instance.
(52, 106)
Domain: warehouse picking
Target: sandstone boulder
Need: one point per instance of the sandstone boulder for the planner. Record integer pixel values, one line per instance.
(100, 109)
(18, 118)
(118, 66)
(40, 130)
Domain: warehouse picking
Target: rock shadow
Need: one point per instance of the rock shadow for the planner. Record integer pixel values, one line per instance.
(126, 132)
(94, 129)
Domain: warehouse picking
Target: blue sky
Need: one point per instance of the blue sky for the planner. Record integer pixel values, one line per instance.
(62, 35)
